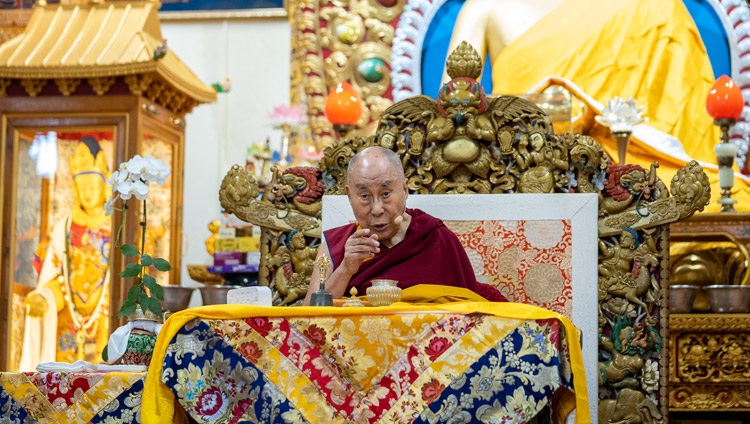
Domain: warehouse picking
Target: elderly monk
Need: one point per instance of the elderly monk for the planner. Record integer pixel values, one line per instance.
(388, 240)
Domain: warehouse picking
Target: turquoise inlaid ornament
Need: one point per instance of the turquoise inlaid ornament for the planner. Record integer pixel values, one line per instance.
(372, 69)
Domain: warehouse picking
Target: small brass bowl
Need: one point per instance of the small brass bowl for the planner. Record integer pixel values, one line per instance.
(681, 298)
(383, 292)
(728, 299)
(177, 298)
(215, 295)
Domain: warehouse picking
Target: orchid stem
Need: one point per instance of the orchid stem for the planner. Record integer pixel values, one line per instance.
(143, 238)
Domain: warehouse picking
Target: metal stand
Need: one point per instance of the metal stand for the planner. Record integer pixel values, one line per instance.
(725, 154)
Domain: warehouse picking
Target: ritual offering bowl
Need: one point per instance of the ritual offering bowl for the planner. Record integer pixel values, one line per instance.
(731, 299)
(681, 298)
(383, 292)
(215, 295)
(176, 298)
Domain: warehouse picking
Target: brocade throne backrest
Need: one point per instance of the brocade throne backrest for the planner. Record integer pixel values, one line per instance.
(466, 142)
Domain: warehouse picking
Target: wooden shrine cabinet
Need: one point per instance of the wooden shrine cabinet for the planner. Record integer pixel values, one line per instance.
(66, 78)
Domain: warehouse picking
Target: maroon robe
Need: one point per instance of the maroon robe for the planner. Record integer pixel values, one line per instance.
(429, 254)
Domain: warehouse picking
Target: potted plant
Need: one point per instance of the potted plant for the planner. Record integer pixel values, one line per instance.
(133, 343)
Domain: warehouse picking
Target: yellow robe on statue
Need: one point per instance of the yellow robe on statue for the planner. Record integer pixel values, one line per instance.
(645, 49)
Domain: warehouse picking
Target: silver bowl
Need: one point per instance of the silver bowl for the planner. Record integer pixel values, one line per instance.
(215, 295)
(176, 298)
(731, 299)
(681, 298)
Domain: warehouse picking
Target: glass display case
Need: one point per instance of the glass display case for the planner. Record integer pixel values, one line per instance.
(117, 91)
(62, 257)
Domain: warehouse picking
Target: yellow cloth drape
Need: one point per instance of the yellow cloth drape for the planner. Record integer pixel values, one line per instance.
(158, 400)
(433, 293)
(645, 49)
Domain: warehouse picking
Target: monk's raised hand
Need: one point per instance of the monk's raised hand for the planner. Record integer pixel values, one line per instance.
(359, 247)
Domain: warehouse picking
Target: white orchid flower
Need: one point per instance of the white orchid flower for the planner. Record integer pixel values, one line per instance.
(140, 190)
(157, 171)
(125, 189)
(137, 188)
(135, 166)
(117, 177)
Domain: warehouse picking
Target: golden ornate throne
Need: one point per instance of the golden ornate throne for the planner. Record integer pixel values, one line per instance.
(467, 142)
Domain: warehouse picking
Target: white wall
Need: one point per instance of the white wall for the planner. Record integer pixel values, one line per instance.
(255, 55)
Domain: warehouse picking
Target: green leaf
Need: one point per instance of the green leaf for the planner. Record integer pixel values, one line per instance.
(162, 264)
(155, 306)
(133, 294)
(129, 250)
(149, 281)
(146, 260)
(143, 299)
(132, 270)
(127, 309)
(157, 291)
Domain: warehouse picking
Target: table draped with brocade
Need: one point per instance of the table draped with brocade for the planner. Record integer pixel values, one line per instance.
(463, 362)
(71, 397)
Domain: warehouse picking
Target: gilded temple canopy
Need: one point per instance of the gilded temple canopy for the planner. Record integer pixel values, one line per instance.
(99, 41)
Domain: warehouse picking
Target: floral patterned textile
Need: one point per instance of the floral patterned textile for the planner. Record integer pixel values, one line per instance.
(528, 261)
(71, 397)
(424, 367)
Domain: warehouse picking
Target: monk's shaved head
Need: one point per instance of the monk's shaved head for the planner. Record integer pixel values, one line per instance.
(376, 155)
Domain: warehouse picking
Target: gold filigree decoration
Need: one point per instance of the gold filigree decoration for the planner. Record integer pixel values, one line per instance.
(691, 188)
(4, 84)
(155, 90)
(384, 13)
(621, 221)
(715, 323)
(464, 62)
(713, 358)
(238, 195)
(177, 101)
(379, 31)
(33, 86)
(161, 92)
(372, 90)
(67, 86)
(326, 54)
(708, 397)
(138, 83)
(289, 215)
(308, 53)
(101, 85)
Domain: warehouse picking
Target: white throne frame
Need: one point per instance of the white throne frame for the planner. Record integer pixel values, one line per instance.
(579, 209)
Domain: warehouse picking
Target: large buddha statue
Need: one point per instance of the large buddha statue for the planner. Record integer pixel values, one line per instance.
(649, 50)
(72, 292)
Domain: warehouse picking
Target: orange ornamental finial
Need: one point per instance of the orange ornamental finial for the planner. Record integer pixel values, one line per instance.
(725, 99)
(343, 105)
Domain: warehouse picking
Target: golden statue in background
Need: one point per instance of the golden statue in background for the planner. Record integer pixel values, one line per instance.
(74, 275)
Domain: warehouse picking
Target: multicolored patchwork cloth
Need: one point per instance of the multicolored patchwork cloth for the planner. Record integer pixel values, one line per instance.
(458, 362)
(71, 397)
